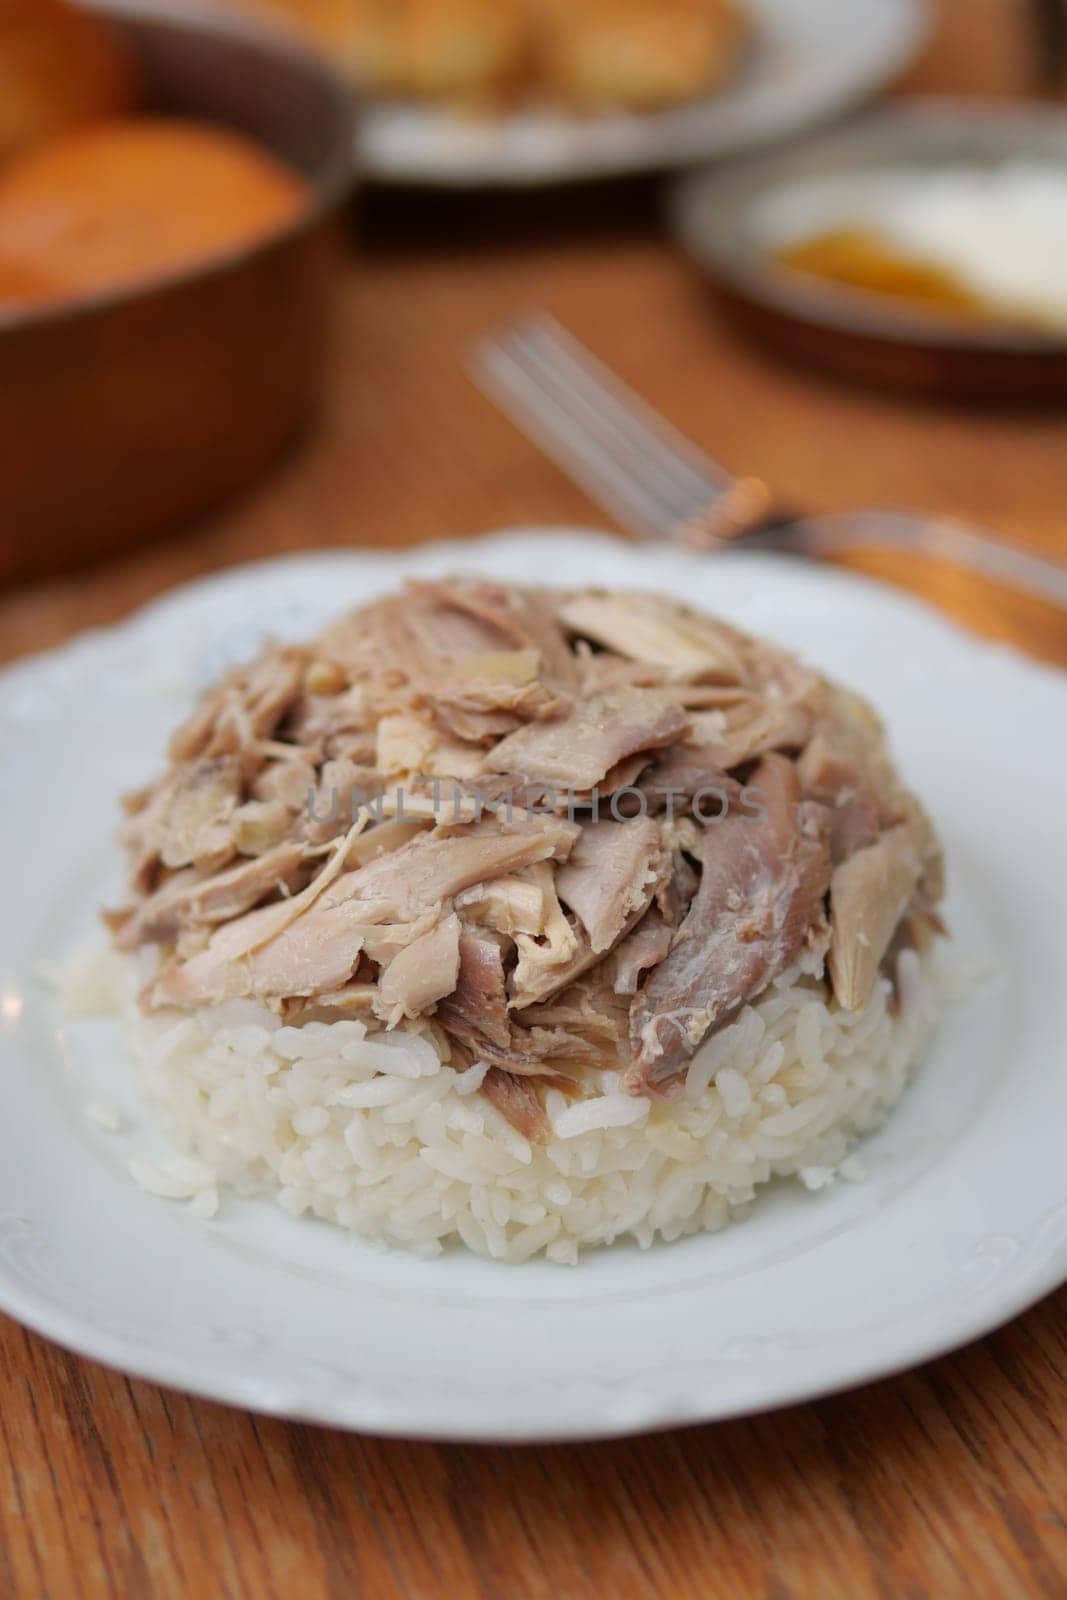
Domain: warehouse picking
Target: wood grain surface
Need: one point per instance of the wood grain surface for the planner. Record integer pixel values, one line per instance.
(951, 1481)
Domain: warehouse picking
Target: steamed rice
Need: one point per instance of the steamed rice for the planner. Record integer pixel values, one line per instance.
(379, 1135)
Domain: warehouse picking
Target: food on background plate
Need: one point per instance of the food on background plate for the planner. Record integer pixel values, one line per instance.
(526, 917)
(59, 67)
(986, 245)
(132, 200)
(591, 55)
(448, 50)
(633, 53)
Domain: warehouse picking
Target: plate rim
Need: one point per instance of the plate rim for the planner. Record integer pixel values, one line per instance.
(133, 1359)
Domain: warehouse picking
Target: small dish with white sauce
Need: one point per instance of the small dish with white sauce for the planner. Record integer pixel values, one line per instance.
(924, 246)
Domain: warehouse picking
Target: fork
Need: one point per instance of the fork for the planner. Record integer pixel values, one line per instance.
(660, 486)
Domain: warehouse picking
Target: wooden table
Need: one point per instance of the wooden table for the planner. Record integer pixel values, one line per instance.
(951, 1481)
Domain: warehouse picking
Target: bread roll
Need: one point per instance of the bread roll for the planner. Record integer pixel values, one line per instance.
(640, 54)
(438, 49)
(591, 54)
(424, 49)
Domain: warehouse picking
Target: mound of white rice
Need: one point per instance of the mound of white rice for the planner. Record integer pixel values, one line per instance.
(375, 1133)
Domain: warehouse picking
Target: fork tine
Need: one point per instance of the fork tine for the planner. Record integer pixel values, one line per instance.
(599, 414)
(655, 482)
(538, 412)
(627, 457)
(587, 429)
(647, 433)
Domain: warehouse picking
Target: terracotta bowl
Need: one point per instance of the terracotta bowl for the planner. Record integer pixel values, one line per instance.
(858, 335)
(128, 413)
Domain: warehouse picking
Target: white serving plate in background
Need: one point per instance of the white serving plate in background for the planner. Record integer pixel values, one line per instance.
(808, 61)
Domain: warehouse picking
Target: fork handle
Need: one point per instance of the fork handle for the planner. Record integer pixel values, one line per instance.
(939, 539)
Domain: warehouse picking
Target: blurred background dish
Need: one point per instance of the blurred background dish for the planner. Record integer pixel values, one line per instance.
(984, 244)
(58, 67)
(133, 200)
(165, 282)
(588, 55)
(804, 61)
(606, 87)
(924, 247)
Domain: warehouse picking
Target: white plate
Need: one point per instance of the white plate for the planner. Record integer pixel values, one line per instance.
(808, 61)
(963, 1219)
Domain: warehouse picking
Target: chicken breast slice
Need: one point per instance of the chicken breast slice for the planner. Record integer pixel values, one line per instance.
(577, 751)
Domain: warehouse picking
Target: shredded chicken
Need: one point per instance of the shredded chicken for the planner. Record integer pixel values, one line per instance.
(869, 894)
(554, 945)
(610, 875)
(659, 633)
(477, 1010)
(567, 831)
(421, 973)
(188, 899)
(760, 895)
(578, 750)
(517, 1099)
(640, 951)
